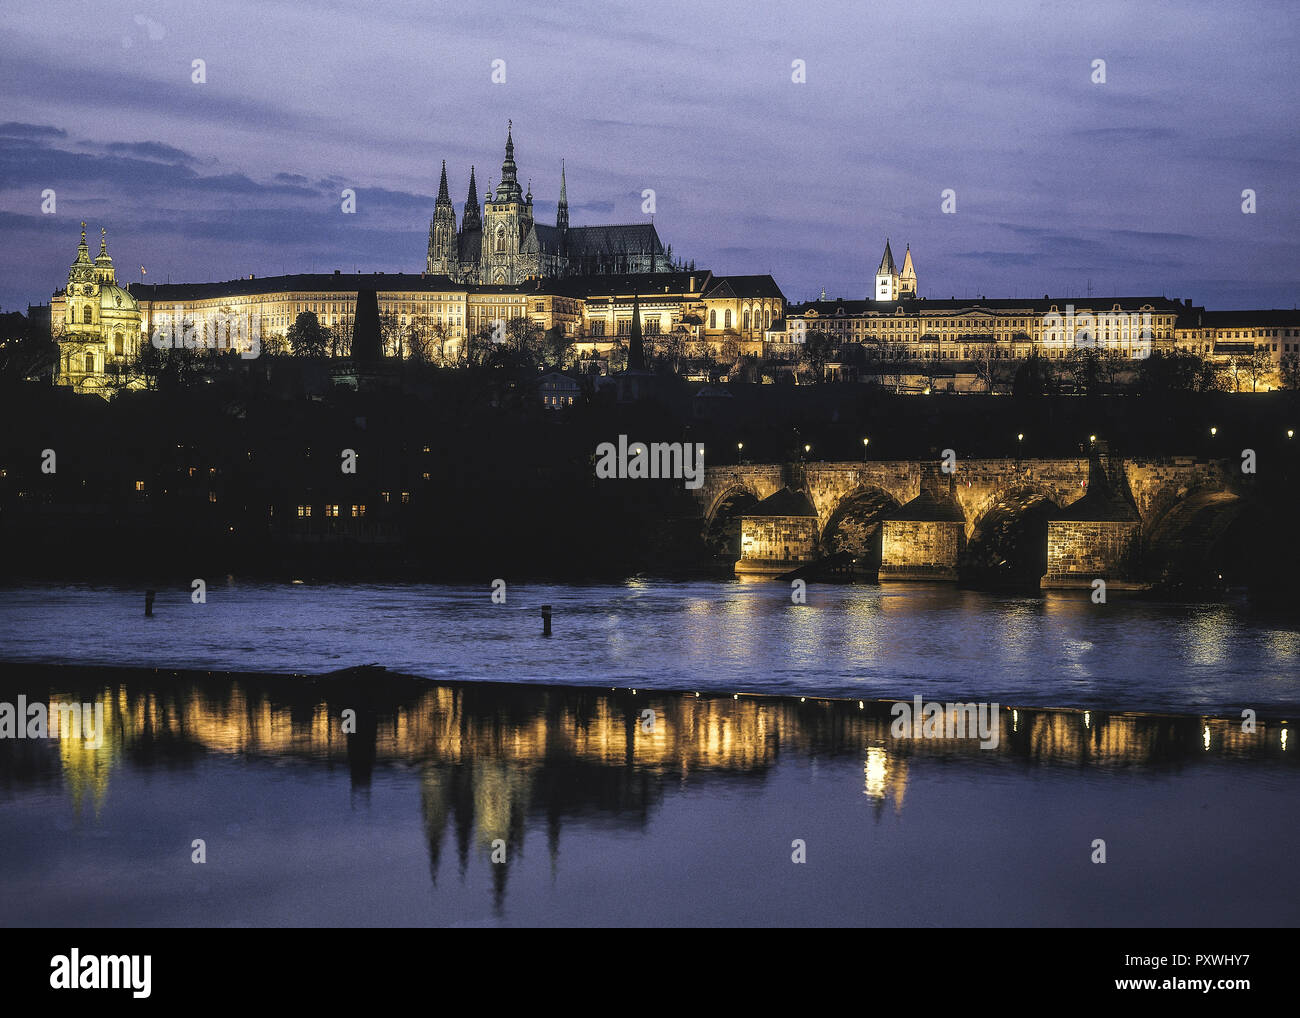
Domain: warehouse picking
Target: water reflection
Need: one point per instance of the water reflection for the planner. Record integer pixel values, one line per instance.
(492, 759)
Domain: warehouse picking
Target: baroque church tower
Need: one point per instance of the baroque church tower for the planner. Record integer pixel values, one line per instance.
(100, 321)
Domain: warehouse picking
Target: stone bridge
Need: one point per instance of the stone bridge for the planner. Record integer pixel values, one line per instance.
(1111, 517)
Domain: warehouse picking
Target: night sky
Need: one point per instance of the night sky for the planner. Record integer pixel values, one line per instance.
(1133, 186)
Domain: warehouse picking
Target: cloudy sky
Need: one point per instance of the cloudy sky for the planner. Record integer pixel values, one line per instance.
(1132, 186)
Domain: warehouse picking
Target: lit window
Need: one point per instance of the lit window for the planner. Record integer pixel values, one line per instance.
(139, 485)
(358, 510)
(331, 509)
(304, 511)
(406, 497)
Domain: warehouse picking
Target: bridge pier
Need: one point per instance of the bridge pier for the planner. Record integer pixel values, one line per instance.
(1081, 551)
(921, 550)
(924, 539)
(1100, 536)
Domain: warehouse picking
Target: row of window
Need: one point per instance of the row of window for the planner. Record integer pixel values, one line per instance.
(335, 509)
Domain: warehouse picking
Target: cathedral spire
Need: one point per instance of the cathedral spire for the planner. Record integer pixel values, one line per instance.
(472, 220)
(562, 215)
(508, 189)
(443, 196)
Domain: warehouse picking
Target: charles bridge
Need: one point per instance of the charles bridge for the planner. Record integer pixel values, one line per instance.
(1118, 519)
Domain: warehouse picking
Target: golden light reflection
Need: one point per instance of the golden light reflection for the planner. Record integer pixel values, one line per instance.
(1209, 636)
(507, 740)
(884, 777)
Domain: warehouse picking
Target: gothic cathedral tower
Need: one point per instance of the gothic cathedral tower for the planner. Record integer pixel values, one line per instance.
(443, 258)
(506, 217)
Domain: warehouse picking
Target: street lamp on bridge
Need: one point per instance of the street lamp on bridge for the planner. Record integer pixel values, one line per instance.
(865, 442)
(740, 449)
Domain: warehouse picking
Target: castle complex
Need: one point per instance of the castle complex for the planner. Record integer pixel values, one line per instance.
(595, 286)
(503, 244)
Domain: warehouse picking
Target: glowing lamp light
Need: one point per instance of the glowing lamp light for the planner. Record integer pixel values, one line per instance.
(1213, 432)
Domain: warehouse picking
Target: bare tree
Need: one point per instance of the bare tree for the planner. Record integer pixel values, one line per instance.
(1291, 370)
(1258, 366)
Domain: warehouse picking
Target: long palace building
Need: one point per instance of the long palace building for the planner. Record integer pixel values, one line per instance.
(99, 324)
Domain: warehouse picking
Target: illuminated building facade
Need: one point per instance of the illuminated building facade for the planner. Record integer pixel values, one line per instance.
(501, 243)
(96, 322)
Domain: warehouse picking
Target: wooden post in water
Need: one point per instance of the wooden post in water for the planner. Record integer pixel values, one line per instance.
(546, 620)
(148, 604)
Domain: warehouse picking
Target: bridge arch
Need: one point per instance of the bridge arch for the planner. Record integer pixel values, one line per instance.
(1007, 535)
(854, 524)
(1209, 538)
(727, 496)
(722, 524)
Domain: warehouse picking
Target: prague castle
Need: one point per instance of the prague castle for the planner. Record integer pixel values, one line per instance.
(503, 244)
(585, 285)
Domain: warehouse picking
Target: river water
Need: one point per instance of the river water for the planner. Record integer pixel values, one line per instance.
(509, 784)
(892, 641)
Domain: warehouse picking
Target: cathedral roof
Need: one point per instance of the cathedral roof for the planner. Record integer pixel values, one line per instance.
(632, 238)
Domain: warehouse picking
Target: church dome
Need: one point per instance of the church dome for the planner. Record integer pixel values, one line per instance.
(113, 298)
